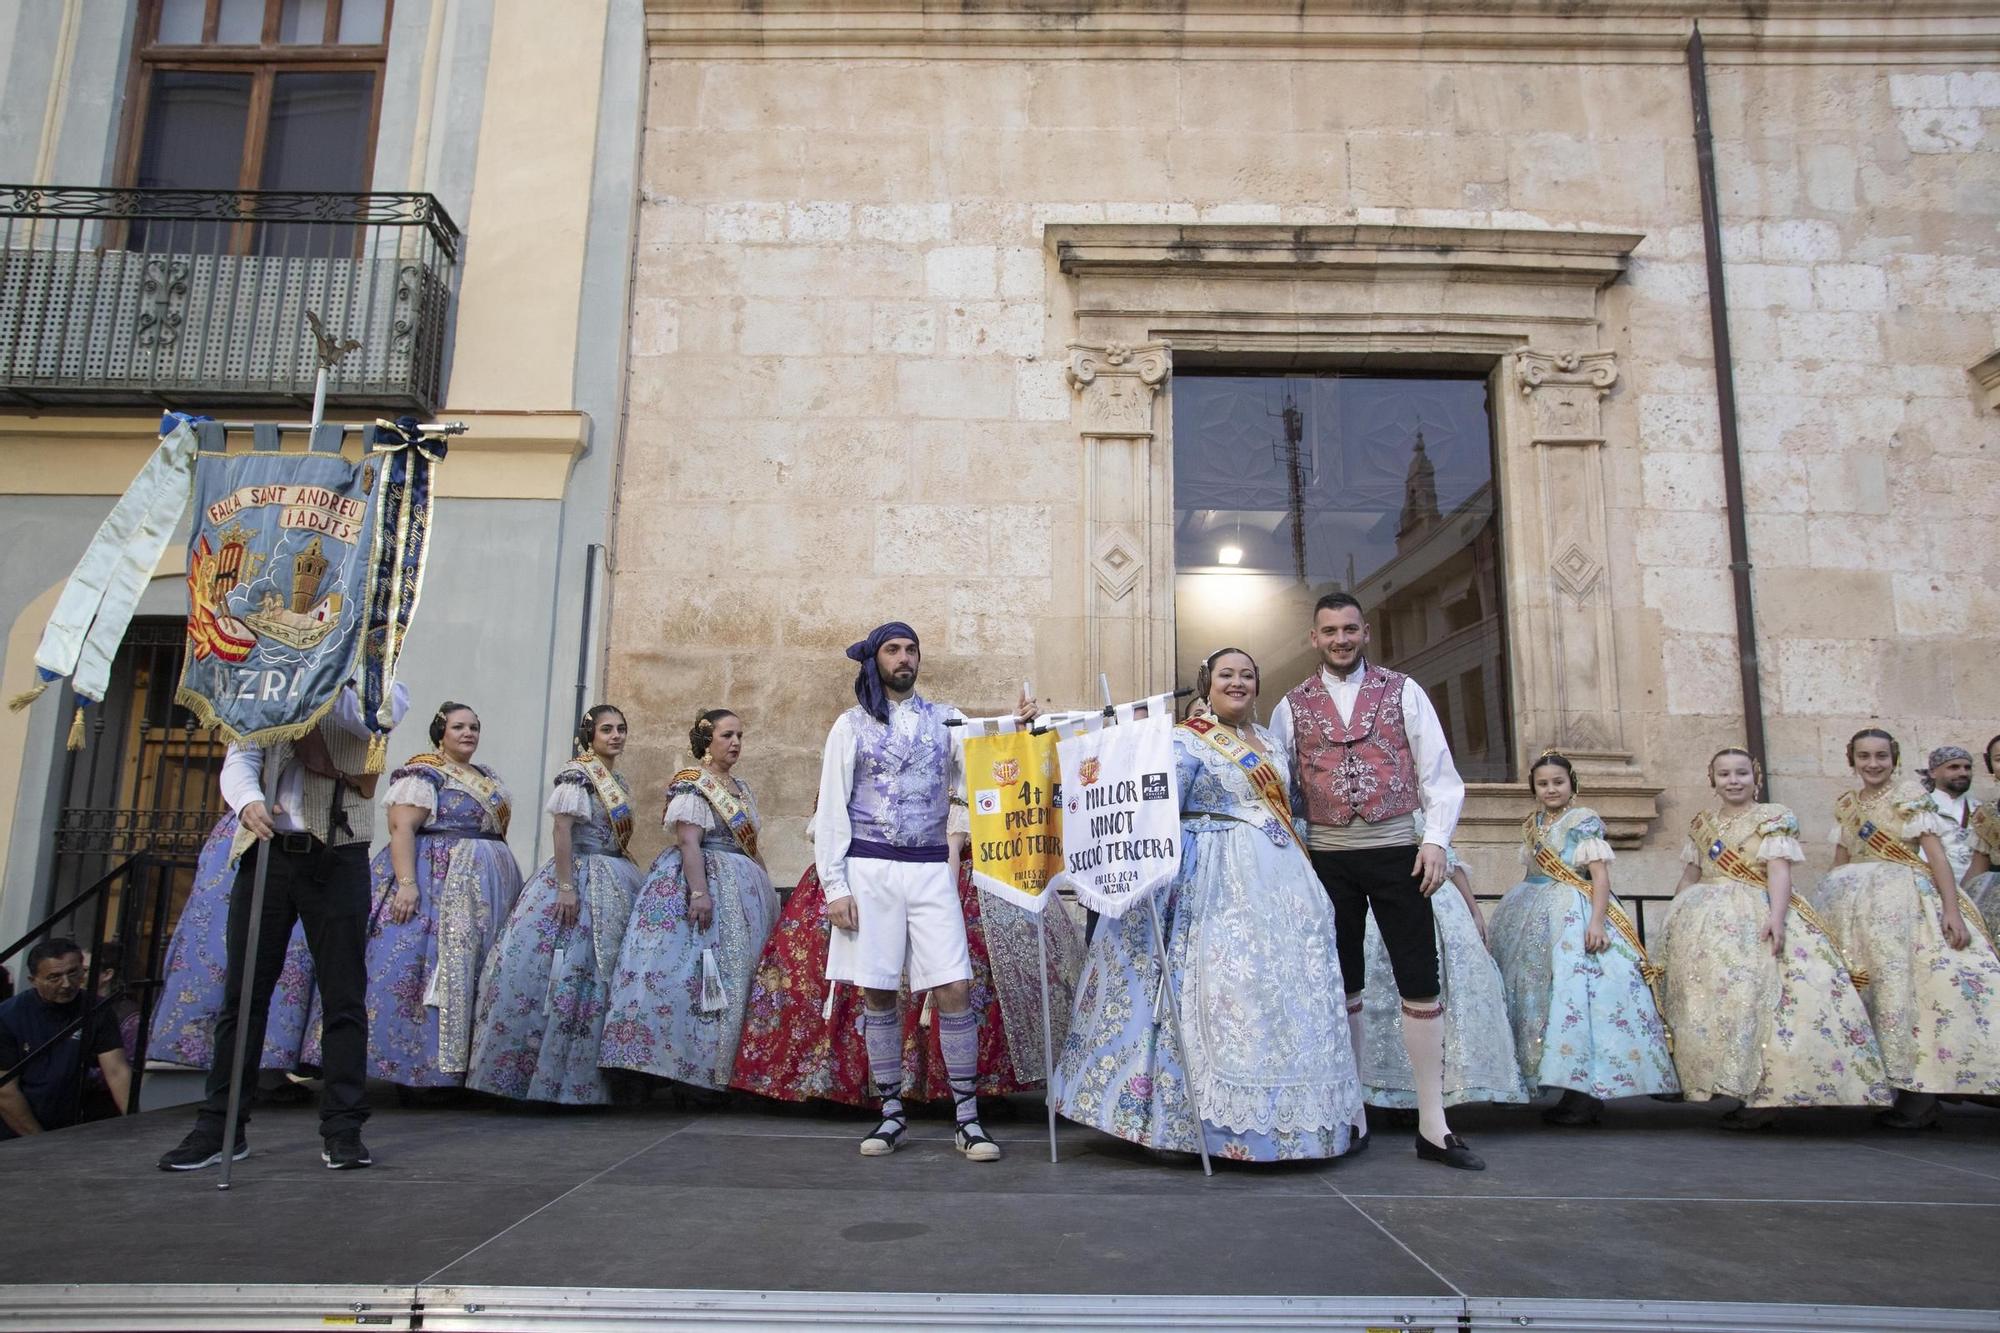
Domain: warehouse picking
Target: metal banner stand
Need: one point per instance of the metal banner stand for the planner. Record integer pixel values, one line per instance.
(1167, 998)
(1173, 1008)
(1048, 1028)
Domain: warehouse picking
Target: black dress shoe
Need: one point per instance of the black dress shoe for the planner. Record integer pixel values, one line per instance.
(1358, 1144)
(1454, 1153)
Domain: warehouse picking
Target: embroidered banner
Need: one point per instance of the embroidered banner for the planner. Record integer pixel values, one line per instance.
(1013, 790)
(277, 584)
(1121, 813)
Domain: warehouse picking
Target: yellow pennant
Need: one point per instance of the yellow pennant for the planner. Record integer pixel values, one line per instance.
(1012, 788)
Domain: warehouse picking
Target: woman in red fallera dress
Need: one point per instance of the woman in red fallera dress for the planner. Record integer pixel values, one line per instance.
(797, 1046)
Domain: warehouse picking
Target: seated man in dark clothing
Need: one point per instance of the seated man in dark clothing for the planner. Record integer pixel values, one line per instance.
(45, 1095)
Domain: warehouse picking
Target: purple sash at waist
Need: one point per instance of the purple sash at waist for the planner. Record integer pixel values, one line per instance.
(884, 851)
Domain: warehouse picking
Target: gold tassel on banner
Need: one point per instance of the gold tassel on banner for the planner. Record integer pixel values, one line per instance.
(26, 697)
(76, 729)
(378, 754)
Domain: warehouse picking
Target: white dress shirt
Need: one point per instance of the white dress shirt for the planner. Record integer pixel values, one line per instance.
(1440, 791)
(243, 765)
(831, 829)
(1957, 812)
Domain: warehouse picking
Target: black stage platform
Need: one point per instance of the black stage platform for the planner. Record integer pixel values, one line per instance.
(487, 1217)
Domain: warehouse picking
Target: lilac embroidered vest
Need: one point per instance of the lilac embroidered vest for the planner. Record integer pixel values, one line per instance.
(899, 794)
(1359, 767)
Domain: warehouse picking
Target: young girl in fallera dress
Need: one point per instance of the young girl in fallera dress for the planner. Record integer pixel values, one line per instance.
(1760, 1001)
(1933, 989)
(547, 984)
(1578, 979)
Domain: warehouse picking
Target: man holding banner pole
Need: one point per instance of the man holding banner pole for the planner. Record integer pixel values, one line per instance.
(887, 778)
(1369, 753)
(309, 809)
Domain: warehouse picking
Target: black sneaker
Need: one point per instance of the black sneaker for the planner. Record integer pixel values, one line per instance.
(345, 1152)
(203, 1147)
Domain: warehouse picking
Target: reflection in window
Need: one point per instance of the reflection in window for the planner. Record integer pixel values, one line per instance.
(1287, 487)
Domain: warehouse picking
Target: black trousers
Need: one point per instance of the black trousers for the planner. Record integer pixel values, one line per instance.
(1378, 880)
(327, 889)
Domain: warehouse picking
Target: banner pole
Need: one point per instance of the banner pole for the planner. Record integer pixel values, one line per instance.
(244, 996)
(1174, 1021)
(1048, 1028)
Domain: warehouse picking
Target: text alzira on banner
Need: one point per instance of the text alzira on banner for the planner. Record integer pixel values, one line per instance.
(277, 585)
(1121, 813)
(1012, 790)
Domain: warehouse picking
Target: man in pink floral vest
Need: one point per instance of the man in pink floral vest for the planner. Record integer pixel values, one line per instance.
(1368, 756)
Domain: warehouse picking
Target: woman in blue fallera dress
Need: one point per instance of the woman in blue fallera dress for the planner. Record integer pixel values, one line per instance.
(547, 984)
(191, 990)
(1250, 948)
(1579, 989)
(443, 887)
(698, 929)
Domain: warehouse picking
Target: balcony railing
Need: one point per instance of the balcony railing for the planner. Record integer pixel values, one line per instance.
(196, 298)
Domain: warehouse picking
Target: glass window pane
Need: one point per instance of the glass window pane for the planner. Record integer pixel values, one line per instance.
(317, 140)
(193, 140)
(240, 23)
(361, 22)
(302, 23)
(1287, 487)
(180, 22)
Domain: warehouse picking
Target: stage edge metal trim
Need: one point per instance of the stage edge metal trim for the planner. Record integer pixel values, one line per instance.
(142, 1308)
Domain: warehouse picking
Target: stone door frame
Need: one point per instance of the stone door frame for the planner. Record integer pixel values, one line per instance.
(1534, 310)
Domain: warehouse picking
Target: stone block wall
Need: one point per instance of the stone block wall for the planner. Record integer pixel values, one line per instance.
(847, 399)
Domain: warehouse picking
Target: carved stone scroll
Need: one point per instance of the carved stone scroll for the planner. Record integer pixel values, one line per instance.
(1129, 517)
(1565, 393)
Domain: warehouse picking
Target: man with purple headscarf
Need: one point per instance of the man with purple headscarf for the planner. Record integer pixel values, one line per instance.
(1948, 774)
(882, 840)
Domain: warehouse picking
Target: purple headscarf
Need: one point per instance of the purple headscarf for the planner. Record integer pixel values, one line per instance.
(868, 681)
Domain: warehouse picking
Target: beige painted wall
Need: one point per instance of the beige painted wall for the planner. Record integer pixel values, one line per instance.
(847, 394)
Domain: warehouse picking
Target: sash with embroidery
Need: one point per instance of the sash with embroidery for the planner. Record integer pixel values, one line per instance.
(1707, 834)
(731, 809)
(1550, 862)
(1885, 845)
(610, 794)
(485, 790)
(1264, 777)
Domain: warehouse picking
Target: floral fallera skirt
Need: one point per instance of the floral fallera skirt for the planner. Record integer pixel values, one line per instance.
(1789, 1031)
(657, 1024)
(1582, 1021)
(1479, 1060)
(545, 990)
(423, 975)
(196, 967)
(1936, 1009)
(1263, 1046)
(1984, 893)
(795, 1048)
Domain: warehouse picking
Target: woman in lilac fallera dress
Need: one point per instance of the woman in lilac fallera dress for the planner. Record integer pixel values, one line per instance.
(547, 984)
(443, 887)
(1263, 1049)
(698, 928)
(191, 989)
